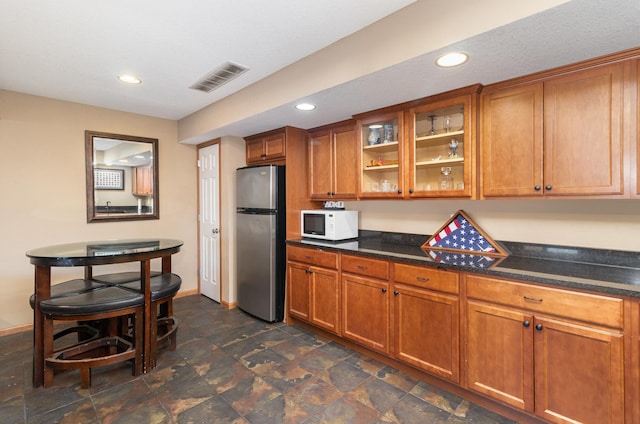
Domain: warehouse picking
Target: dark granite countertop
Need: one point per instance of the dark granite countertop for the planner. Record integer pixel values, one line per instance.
(598, 270)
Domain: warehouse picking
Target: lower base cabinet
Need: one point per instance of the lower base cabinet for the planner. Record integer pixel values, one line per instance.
(426, 319)
(312, 290)
(366, 311)
(560, 370)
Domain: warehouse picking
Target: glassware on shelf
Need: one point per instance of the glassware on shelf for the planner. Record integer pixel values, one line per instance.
(446, 179)
(446, 123)
(374, 134)
(388, 133)
(433, 128)
(461, 119)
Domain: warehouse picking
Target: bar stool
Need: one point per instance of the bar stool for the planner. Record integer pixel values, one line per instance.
(105, 303)
(85, 330)
(164, 325)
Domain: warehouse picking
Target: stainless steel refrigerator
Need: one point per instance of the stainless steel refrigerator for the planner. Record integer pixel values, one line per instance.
(260, 240)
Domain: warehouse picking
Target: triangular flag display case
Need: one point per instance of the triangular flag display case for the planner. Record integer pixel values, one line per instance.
(460, 241)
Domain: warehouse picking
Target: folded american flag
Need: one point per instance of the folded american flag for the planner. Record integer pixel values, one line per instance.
(460, 234)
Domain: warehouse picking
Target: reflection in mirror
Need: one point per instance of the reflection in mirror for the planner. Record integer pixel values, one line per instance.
(122, 177)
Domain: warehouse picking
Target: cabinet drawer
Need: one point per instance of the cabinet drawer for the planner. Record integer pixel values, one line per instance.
(429, 278)
(586, 307)
(376, 268)
(315, 257)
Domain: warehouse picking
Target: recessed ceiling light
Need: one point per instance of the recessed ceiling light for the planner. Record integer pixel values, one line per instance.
(130, 79)
(305, 106)
(451, 59)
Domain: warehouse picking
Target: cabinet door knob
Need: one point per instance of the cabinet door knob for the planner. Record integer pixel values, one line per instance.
(395, 292)
(539, 327)
(399, 191)
(547, 187)
(526, 324)
(328, 193)
(384, 290)
(536, 188)
(410, 191)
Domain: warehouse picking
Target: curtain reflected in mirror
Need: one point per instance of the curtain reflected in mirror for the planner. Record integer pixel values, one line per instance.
(122, 177)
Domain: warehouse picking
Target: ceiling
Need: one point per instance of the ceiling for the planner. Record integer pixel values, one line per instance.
(73, 50)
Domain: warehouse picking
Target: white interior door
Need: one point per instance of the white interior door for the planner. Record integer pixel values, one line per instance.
(209, 219)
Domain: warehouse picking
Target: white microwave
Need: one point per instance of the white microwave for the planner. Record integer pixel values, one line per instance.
(332, 225)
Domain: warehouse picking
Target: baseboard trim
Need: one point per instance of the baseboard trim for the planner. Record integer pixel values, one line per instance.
(14, 330)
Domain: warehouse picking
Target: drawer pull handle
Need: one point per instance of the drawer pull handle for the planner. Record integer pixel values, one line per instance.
(362, 267)
(308, 257)
(424, 279)
(532, 299)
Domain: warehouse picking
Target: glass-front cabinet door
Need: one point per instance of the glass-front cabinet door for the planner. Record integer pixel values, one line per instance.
(381, 161)
(441, 148)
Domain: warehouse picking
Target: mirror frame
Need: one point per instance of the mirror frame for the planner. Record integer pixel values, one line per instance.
(90, 190)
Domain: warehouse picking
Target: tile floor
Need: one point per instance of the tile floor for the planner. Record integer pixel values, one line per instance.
(232, 368)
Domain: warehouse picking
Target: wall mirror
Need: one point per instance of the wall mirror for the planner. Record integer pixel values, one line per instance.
(122, 177)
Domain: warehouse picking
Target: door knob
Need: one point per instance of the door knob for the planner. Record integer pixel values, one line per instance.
(215, 231)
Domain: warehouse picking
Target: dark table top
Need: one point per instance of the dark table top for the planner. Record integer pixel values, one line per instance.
(102, 252)
(562, 267)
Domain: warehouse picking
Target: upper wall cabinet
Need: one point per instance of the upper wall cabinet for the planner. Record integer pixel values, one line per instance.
(266, 148)
(332, 154)
(636, 134)
(441, 146)
(560, 136)
(380, 140)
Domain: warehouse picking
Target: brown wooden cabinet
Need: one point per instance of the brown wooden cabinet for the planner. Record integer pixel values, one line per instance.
(332, 155)
(511, 141)
(441, 140)
(558, 136)
(555, 353)
(313, 291)
(380, 136)
(635, 135)
(425, 326)
(142, 180)
(269, 147)
(366, 304)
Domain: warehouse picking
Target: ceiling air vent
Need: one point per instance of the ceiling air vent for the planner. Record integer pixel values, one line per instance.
(219, 76)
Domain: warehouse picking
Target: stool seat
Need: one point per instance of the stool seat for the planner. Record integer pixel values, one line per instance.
(107, 299)
(107, 304)
(117, 278)
(162, 286)
(70, 288)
